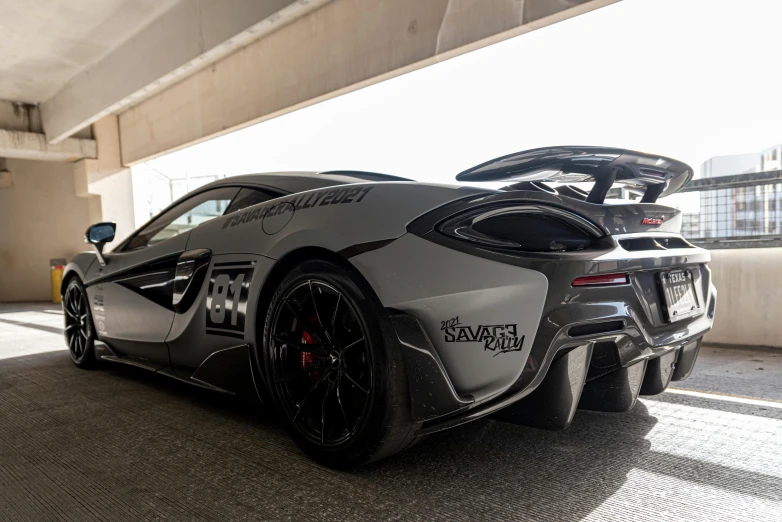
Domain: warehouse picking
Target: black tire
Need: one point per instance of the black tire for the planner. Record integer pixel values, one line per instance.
(79, 329)
(303, 371)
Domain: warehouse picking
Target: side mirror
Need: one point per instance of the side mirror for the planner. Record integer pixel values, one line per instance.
(98, 235)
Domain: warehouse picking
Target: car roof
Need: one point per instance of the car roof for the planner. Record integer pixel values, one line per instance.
(293, 182)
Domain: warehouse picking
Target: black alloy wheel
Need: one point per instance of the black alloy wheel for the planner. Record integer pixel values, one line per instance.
(332, 366)
(321, 362)
(79, 331)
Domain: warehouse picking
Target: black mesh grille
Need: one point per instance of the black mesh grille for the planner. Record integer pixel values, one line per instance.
(654, 243)
(535, 233)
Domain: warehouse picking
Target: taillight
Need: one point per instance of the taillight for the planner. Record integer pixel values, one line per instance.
(602, 280)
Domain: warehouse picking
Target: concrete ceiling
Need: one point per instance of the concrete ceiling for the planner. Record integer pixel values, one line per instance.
(181, 71)
(45, 43)
(80, 60)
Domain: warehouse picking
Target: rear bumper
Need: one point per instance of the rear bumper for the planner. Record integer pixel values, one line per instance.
(599, 354)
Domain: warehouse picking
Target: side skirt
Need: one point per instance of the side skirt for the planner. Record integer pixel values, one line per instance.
(225, 371)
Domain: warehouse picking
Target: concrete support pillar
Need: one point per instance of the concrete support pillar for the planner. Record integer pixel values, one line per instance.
(105, 181)
(41, 218)
(45, 207)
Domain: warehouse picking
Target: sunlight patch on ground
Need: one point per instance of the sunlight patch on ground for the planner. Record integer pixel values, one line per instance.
(727, 398)
(740, 437)
(28, 332)
(667, 495)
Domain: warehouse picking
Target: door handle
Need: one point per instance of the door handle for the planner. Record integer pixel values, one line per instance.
(189, 276)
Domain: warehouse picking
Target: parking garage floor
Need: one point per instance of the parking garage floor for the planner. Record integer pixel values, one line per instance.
(120, 444)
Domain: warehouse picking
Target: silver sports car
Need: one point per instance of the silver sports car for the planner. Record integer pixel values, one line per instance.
(370, 310)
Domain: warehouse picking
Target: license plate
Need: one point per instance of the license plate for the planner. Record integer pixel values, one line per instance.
(681, 301)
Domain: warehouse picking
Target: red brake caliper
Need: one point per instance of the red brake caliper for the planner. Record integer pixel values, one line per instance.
(306, 357)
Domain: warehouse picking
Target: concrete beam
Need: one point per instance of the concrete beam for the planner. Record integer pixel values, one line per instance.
(189, 36)
(33, 146)
(343, 46)
(18, 116)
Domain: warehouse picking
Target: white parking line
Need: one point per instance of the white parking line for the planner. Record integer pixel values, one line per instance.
(727, 398)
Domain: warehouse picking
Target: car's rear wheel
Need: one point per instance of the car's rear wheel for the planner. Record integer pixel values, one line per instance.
(334, 374)
(79, 330)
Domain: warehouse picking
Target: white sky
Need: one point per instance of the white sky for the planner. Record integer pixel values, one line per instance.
(690, 79)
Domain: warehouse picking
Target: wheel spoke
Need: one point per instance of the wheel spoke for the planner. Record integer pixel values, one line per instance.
(69, 313)
(342, 408)
(72, 301)
(317, 313)
(303, 347)
(291, 376)
(351, 345)
(334, 318)
(323, 414)
(70, 327)
(309, 393)
(357, 385)
(69, 303)
(301, 321)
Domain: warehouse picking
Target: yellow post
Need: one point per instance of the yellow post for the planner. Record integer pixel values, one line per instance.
(57, 267)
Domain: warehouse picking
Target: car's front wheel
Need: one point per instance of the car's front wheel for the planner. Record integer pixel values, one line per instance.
(335, 376)
(79, 330)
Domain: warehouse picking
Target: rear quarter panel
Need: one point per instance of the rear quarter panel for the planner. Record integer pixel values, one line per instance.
(480, 315)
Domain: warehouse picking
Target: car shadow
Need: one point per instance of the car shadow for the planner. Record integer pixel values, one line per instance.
(148, 436)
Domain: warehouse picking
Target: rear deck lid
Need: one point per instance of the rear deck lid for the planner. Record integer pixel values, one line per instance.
(658, 175)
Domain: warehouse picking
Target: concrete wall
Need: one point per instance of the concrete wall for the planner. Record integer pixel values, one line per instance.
(749, 299)
(41, 218)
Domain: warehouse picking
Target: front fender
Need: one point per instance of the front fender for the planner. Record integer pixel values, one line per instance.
(79, 266)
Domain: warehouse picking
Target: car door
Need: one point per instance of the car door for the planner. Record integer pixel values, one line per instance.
(132, 296)
(187, 342)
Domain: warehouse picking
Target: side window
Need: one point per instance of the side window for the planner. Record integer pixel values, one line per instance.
(248, 197)
(183, 217)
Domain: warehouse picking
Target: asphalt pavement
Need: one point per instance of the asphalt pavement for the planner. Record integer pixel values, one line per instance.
(118, 443)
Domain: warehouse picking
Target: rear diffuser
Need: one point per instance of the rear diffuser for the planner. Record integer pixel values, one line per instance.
(616, 391)
(552, 405)
(658, 373)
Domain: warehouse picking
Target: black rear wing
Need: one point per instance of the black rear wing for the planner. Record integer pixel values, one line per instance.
(657, 175)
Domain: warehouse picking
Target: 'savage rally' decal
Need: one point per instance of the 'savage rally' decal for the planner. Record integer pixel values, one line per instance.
(498, 338)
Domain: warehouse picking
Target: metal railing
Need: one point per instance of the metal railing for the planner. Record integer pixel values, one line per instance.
(739, 211)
